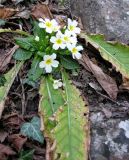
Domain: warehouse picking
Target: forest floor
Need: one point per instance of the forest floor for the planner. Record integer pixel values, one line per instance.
(108, 141)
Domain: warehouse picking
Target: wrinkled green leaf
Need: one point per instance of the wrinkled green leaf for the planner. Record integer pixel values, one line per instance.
(32, 130)
(26, 155)
(10, 76)
(70, 132)
(114, 52)
(26, 43)
(22, 54)
(51, 100)
(35, 72)
(69, 63)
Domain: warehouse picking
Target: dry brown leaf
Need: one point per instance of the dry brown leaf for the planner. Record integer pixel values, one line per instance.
(3, 136)
(125, 84)
(23, 14)
(5, 151)
(5, 58)
(107, 83)
(7, 12)
(13, 121)
(41, 11)
(17, 141)
(61, 19)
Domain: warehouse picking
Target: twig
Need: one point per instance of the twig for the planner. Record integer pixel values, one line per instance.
(48, 149)
(23, 98)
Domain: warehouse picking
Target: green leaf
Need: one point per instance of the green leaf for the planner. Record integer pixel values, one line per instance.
(70, 132)
(40, 32)
(51, 101)
(2, 22)
(69, 63)
(2, 80)
(114, 52)
(22, 54)
(26, 43)
(9, 76)
(26, 155)
(32, 130)
(35, 72)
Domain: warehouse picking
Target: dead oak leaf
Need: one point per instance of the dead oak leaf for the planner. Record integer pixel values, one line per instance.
(13, 121)
(41, 11)
(5, 151)
(3, 136)
(5, 58)
(107, 83)
(17, 140)
(7, 12)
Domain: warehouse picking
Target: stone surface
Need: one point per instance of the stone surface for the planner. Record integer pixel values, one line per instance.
(109, 17)
(108, 138)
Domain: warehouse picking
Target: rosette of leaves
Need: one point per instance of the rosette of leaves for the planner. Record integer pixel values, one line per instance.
(35, 50)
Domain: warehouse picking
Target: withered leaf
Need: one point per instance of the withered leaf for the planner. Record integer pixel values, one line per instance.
(7, 12)
(107, 83)
(3, 136)
(41, 11)
(5, 151)
(5, 58)
(17, 140)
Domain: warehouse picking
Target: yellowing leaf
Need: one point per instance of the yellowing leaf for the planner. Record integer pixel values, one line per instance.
(10, 76)
(114, 52)
(50, 102)
(71, 132)
(65, 120)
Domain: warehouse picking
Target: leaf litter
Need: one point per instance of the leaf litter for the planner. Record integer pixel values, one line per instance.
(15, 121)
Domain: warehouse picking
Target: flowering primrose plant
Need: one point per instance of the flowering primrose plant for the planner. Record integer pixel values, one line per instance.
(51, 48)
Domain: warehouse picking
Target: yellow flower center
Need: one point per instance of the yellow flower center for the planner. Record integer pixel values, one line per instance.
(66, 38)
(48, 24)
(59, 41)
(48, 61)
(71, 28)
(74, 50)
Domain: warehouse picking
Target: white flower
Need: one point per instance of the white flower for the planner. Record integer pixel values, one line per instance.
(37, 38)
(75, 51)
(58, 41)
(49, 62)
(49, 25)
(72, 27)
(57, 84)
(69, 39)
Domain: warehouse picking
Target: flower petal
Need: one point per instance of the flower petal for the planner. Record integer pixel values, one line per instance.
(55, 86)
(42, 64)
(48, 69)
(53, 39)
(62, 46)
(41, 20)
(41, 25)
(49, 30)
(53, 56)
(78, 55)
(77, 30)
(79, 48)
(46, 57)
(60, 84)
(55, 63)
(55, 47)
(75, 23)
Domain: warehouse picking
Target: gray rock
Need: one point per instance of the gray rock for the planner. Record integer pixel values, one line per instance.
(109, 17)
(2, 1)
